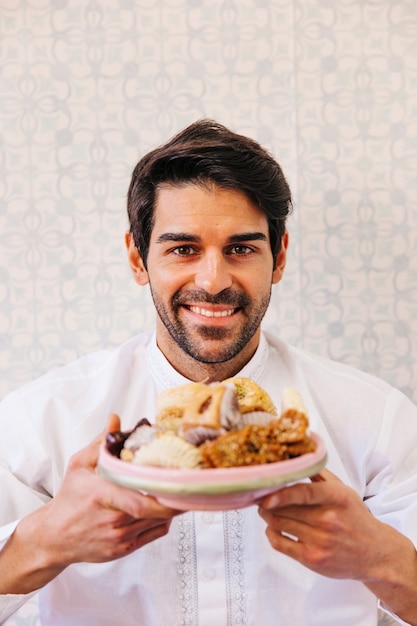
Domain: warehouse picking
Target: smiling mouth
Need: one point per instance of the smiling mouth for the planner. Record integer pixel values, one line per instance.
(209, 313)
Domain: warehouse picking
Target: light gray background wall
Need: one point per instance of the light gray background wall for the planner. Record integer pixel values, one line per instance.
(88, 86)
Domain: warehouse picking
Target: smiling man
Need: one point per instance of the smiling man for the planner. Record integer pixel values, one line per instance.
(210, 270)
(208, 214)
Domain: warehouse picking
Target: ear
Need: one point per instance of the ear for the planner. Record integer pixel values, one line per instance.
(135, 261)
(281, 260)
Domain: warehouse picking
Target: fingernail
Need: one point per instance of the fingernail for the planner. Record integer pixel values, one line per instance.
(272, 501)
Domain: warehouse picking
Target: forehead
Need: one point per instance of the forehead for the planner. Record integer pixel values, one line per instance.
(189, 206)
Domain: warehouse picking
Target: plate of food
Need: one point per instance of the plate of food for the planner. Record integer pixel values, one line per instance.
(216, 446)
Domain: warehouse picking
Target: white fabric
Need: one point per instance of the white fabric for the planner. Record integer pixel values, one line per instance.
(212, 568)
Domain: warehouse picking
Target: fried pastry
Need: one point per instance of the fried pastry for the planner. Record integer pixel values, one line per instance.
(251, 397)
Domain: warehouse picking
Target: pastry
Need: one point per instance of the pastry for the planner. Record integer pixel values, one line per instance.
(225, 424)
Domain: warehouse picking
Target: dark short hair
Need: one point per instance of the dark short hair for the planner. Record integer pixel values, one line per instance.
(207, 152)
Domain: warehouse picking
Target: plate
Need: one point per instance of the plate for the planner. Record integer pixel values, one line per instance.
(212, 489)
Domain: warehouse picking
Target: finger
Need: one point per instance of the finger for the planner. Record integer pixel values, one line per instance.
(121, 543)
(86, 457)
(302, 494)
(135, 504)
(138, 527)
(324, 475)
(150, 535)
(307, 494)
(318, 478)
(286, 544)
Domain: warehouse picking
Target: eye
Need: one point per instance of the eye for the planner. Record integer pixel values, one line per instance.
(240, 250)
(184, 250)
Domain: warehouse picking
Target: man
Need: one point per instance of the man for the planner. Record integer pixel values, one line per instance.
(208, 234)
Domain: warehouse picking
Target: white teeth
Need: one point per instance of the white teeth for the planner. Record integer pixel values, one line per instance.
(206, 313)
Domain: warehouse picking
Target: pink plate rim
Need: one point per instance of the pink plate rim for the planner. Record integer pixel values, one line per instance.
(223, 479)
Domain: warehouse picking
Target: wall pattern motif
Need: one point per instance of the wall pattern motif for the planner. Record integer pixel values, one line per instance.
(88, 86)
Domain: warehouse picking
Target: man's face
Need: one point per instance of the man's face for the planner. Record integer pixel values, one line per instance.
(210, 270)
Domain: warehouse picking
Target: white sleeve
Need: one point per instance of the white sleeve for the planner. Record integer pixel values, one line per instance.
(396, 486)
(395, 619)
(391, 492)
(21, 483)
(25, 466)
(10, 603)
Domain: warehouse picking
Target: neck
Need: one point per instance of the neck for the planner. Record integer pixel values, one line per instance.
(197, 371)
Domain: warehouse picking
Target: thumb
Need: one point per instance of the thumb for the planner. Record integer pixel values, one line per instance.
(88, 456)
(113, 424)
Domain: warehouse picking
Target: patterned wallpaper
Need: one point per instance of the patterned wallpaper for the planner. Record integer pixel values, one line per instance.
(88, 86)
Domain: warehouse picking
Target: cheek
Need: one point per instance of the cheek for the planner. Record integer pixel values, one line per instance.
(259, 280)
(165, 281)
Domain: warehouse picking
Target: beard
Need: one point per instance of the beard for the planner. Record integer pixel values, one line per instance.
(195, 341)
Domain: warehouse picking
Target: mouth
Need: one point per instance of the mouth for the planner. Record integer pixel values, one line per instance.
(212, 312)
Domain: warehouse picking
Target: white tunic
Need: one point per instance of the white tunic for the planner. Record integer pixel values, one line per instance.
(213, 568)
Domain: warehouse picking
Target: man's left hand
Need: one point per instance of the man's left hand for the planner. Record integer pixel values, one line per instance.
(325, 526)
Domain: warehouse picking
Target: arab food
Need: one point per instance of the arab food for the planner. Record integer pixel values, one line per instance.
(226, 424)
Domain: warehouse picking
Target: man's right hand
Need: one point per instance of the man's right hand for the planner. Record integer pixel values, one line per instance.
(89, 520)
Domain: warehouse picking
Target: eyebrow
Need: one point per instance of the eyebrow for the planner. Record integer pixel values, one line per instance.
(239, 237)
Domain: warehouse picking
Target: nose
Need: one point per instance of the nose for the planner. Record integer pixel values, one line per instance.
(212, 273)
